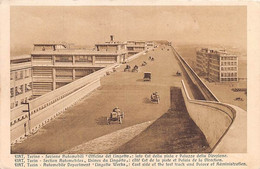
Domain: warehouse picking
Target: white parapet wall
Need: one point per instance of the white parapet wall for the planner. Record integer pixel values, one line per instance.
(208, 94)
(216, 120)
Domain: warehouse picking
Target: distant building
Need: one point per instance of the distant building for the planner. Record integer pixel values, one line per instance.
(150, 44)
(134, 47)
(217, 65)
(20, 80)
(55, 65)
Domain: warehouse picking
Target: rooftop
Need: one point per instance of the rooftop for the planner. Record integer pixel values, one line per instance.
(111, 43)
(76, 52)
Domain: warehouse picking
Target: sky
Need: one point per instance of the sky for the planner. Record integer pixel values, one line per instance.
(85, 25)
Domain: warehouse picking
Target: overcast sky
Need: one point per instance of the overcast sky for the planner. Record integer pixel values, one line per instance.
(87, 25)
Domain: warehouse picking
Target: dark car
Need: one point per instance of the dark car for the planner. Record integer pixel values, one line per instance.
(147, 76)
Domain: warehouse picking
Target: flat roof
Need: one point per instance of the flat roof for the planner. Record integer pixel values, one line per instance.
(36, 44)
(76, 52)
(110, 44)
(132, 45)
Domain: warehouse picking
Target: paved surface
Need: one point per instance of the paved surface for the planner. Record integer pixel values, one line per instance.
(173, 132)
(87, 120)
(107, 143)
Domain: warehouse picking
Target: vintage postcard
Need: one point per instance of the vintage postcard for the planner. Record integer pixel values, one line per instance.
(129, 84)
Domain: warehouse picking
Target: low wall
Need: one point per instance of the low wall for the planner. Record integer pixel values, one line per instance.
(213, 118)
(39, 119)
(208, 94)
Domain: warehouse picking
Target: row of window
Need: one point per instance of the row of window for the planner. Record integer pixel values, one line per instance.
(229, 68)
(228, 79)
(228, 63)
(83, 58)
(17, 103)
(20, 74)
(229, 58)
(63, 59)
(228, 74)
(20, 89)
(214, 58)
(77, 58)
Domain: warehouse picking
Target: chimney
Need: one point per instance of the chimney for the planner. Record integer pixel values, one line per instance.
(111, 38)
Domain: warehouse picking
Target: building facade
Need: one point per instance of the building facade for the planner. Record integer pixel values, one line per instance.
(55, 65)
(134, 47)
(217, 65)
(20, 80)
(150, 45)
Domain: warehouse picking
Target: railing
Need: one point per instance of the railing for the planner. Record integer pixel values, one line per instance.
(213, 118)
(205, 90)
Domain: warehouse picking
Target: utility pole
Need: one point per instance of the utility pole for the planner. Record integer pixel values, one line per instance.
(29, 119)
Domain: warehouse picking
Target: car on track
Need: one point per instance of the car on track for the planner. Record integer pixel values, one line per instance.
(116, 116)
(147, 76)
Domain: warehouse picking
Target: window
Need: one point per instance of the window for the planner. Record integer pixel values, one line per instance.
(16, 75)
(18, 90)
(11, 76)
(21, 88)
(26, 74)
(83, 58)
(130, 48)
(63, 59)
(28, 87)
(21, 74)
(12, 92)
(16, 103)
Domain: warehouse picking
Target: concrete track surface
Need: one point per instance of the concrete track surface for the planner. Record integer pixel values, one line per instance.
(173, 132)
(87, 120)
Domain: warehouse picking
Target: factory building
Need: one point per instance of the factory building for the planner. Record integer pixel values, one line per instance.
(20, 80)
(55, 65)
(217, 65)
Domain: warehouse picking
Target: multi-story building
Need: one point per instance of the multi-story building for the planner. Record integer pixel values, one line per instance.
(150, 44)
(134, 47)
(217, 65)
(20, 80)
(55, 65)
